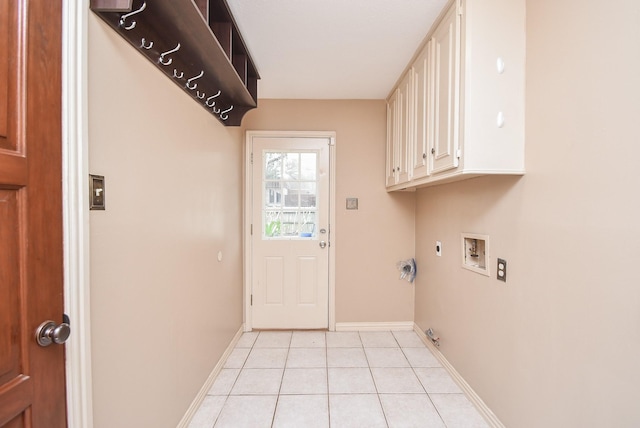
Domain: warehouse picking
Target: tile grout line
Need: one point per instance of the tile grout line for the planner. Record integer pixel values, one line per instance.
(228, 394)
(421, 384)
(375, 385)
(284, 368)
(326, 368)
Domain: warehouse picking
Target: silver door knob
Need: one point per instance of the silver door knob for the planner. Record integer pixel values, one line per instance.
(48, 332)
(323, 244)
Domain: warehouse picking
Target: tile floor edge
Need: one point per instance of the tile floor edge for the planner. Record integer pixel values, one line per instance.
(480, 405)
(197, 401)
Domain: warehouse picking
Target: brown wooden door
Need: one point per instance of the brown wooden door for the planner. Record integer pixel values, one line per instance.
(32, 378)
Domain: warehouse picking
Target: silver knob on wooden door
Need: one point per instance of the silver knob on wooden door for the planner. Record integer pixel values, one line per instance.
(48, 332)
(323, 244)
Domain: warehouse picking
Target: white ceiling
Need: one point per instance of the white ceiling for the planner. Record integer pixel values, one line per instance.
(332, 49)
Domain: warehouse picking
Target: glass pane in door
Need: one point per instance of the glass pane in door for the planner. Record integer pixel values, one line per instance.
(290, 195)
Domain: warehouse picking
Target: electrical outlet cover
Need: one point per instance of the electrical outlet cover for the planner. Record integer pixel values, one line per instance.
(501, 270)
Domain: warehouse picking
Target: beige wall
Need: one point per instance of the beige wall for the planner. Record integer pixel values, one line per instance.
(369, 241)
(558, 344)
(163, 308)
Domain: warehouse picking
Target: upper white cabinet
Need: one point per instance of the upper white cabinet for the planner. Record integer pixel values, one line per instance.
(446, 93)
(464, 115)
(400, 118)
(422, 91)
(392, 137)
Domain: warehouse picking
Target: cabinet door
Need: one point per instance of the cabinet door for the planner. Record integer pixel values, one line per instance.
(392, 137)
(405, 133)
(446, 62)
(423, 105)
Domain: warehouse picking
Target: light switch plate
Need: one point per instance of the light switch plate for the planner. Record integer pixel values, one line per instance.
(352, 203)
(96, 192)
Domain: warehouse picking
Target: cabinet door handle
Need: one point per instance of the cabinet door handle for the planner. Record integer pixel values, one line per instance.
(433, 151)
(424, 156)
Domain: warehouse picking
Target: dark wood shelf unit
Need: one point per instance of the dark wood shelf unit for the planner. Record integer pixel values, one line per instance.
(206, 57)
(225, 28)
(223, 32)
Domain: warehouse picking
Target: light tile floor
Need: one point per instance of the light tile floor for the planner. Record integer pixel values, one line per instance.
(307, 379)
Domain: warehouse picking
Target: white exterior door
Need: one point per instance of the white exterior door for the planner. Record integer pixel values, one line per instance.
(290, 232)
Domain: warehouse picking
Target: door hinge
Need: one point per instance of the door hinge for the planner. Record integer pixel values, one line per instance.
(251, 229)
(251, 304)
(251, 158)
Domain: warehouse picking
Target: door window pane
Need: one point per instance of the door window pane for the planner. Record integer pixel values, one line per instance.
(308, 194)
(273, 194)
(307, 224)
(272, 224)
(308, 166)
(290, 195)
(273, 165)
(292, 166)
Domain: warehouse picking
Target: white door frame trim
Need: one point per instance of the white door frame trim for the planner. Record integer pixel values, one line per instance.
(75, 194)
(331, 135)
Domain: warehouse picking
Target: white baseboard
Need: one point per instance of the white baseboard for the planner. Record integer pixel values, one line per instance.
(374, 326)
(485, 411)
(195, 405)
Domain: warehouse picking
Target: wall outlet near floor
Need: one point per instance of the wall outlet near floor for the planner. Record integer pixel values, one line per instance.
(501, 271)
(438, 248)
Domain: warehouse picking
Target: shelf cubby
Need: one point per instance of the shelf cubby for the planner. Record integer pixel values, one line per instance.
(196, 44)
